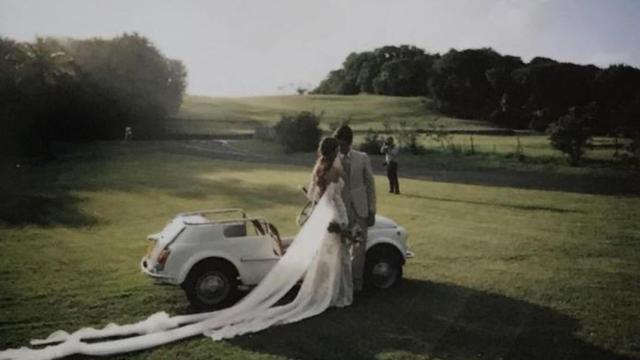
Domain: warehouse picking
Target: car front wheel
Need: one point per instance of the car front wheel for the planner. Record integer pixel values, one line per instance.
(383, 268)
(211, 285)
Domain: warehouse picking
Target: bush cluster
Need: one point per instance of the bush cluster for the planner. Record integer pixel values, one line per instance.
(570, 134)
(371, 143)
(299, 132)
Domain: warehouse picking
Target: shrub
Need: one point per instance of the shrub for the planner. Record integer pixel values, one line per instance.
(299, 132)
(413, 147)
(371, 144)
(631, 154)
(633, 148)
(408, 138)
(570, 134)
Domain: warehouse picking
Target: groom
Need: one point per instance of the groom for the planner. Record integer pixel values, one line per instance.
(359, 196)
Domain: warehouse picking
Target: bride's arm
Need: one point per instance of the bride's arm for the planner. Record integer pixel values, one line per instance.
(313, 192)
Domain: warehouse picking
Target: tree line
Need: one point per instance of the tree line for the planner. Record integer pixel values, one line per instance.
(68, 89)
(483, 84)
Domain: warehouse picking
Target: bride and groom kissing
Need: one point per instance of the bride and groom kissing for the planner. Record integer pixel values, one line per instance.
(356, 201)
(330, 264)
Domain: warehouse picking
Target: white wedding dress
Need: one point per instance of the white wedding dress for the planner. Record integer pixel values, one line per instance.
(318, 257)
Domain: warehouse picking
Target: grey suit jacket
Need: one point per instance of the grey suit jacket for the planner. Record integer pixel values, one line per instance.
(362, 190)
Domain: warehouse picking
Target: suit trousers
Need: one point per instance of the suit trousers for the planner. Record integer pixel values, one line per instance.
(359, 249)
(392, 175)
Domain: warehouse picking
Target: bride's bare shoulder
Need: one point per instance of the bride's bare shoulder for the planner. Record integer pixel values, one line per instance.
(333, 175)
(337, 184)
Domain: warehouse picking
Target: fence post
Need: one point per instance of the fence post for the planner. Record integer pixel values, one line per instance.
(519, 148)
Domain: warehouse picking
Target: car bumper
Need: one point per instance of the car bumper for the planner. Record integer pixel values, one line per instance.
(158, 278)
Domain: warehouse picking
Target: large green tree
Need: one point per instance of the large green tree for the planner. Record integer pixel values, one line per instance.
(481, 83)
(389, 70)
(553, 88)
(459, 85)
(130, 73)
(617, 93)
(83, 89)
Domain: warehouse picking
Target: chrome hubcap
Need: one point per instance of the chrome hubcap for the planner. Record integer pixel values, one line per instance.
(383, 275)
(212, 288)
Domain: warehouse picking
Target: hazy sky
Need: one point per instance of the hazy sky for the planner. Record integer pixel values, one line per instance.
(239, 47)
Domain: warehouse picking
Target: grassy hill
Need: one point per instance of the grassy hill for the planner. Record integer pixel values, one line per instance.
(203, 115)
(217, 116)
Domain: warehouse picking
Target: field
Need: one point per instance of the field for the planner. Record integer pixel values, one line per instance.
(534, 146)
(547, 269)
(209, 115)
(222, 117)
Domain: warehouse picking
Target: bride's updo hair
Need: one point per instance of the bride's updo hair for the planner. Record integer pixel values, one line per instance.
(324, 172)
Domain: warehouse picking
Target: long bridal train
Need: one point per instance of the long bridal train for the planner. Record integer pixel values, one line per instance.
(312, 255)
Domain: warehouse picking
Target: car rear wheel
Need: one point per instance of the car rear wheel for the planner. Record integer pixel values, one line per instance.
(211, 285)
(383, 268)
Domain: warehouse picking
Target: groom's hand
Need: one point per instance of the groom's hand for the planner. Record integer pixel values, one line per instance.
(371, 219)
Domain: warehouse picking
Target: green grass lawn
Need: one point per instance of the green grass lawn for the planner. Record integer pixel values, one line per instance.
(204, 115)
(499, 272)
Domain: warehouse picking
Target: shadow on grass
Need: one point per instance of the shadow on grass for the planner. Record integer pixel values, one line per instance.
(628, 185)
(430, 320)
(45, 194)
(45, 210)
(31, 197)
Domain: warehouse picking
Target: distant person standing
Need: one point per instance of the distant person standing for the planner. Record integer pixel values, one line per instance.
(390, 151)
(128, 133)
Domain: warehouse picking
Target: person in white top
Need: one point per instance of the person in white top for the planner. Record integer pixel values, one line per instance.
(128, 133)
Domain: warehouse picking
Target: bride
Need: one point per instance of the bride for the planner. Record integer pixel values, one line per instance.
(318, 256)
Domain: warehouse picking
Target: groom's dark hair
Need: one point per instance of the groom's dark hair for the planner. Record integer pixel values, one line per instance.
(344, 133)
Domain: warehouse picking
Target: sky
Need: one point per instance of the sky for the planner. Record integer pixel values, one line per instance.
(261, 47)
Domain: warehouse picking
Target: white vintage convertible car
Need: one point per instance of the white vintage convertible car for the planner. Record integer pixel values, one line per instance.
(215, 254)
